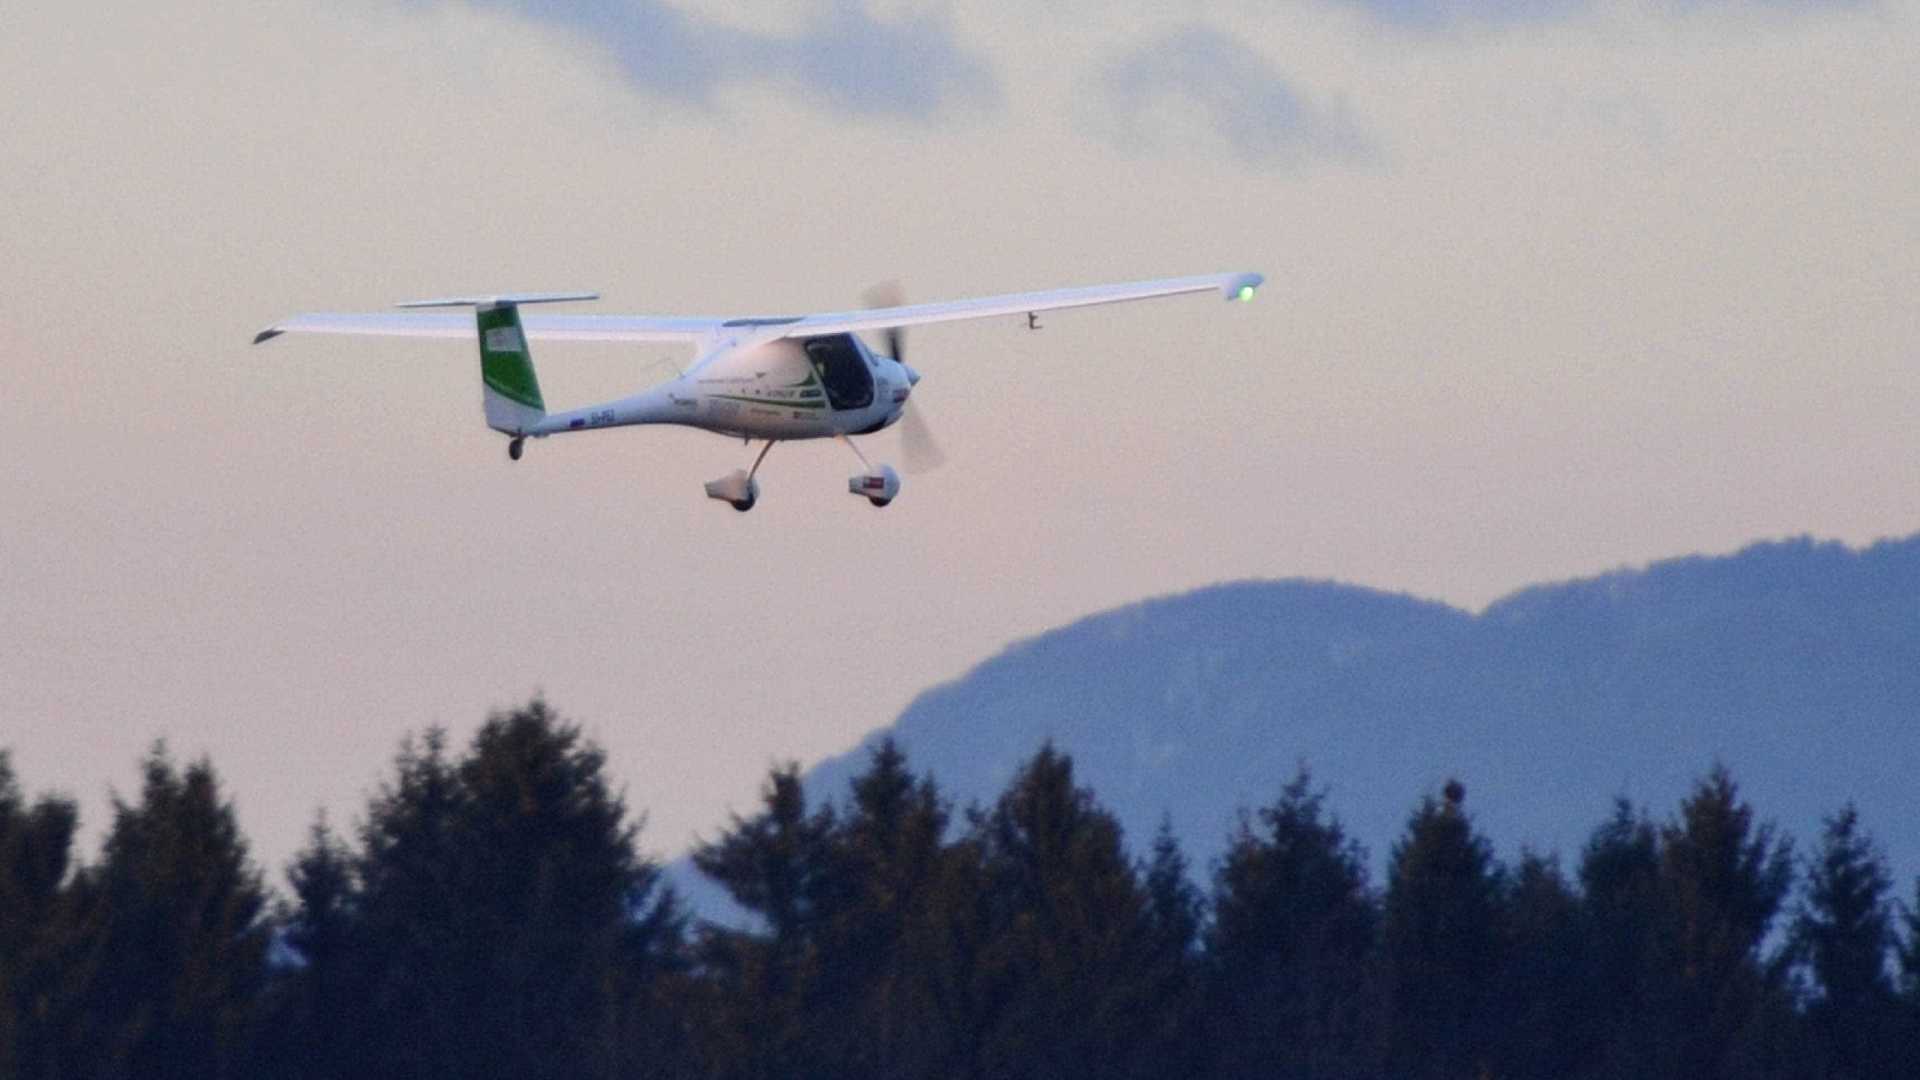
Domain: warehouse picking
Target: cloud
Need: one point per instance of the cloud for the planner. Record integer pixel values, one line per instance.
(840, 57)
(1435, 14)
(1197, 81)
(1446, 14)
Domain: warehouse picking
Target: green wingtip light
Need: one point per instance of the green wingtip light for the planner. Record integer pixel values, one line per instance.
(1246, 293)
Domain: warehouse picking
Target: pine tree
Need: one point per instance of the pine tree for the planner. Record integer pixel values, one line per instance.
(1175, 907)
(883, 964)
(1441, 940)
(1624, 1027)
(172, 917)
(556, 883)
(494, 920)
(313, 1004)
(1843, 933)
(416, 961)
(780, 865)
(1723, 879)
(1542, 994)
(1907, 950)
(36, 845)
(1068, 934)
(1173, 1038)
(1288, 952)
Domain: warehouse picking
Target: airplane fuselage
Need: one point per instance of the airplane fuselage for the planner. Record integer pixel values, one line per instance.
(781, 389)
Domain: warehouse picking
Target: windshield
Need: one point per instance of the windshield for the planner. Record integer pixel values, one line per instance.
(842, 370)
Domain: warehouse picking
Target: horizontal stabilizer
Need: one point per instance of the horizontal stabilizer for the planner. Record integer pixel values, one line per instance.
(503, 298)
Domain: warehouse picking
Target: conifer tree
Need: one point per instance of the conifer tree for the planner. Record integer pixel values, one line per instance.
(1907, 950)
(1843, 933)
(1723, 879)
(1068, 933)
(558, 887)
(495, 918)
(1287, 955)
(416, 961)
(1541, 999)
(883, 960)
(1627, 990)
(1441, 939)
(312, 1005)
(36, 846)
(780, 865)
(172, 921)
(1175, 909)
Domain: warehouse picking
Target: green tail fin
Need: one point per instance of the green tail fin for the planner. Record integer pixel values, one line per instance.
(511, 389)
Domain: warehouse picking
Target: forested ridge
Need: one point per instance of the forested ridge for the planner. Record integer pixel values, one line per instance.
(1795, 663)
(489, 913)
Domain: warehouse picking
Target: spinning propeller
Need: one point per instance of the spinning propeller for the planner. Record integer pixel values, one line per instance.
(919, 451)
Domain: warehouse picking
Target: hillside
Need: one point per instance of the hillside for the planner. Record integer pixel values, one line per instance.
(1796, 663)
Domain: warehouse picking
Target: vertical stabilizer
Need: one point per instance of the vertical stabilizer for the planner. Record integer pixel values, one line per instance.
(509, 387)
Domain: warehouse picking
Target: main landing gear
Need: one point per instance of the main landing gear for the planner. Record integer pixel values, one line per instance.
(738, 489)
(879, 486)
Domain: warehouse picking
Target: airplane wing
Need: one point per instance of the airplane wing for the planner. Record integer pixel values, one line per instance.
(537, 327)
(1229, 286)
(695, 329)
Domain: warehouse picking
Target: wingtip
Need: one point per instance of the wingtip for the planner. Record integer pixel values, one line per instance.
(268, 334)
(1241, 286)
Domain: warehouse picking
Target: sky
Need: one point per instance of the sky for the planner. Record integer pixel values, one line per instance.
(1553, 287)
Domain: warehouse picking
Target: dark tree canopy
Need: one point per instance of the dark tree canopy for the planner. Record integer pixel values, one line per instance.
(1441, 944)
(1293, 932)
(1723, 880)
(36, 947)
(172, 933)
(1844, 934)
(491, 907)
(489, 913)
(1067, 964)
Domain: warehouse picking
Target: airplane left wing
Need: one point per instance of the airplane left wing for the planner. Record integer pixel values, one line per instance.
(537, 327)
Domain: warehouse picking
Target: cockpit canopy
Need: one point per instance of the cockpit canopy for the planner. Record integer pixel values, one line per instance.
(841, 367)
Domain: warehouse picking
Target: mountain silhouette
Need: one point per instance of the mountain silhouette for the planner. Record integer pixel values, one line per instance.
(1794, 663)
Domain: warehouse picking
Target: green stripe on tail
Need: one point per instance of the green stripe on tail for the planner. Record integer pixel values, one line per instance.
(505, 364)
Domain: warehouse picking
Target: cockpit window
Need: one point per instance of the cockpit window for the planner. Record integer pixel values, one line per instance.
(836, 360)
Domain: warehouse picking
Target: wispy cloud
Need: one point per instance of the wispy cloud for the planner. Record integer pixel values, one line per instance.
(1197, 85)
(841, 57)
(1448, 14)
(1437, 14)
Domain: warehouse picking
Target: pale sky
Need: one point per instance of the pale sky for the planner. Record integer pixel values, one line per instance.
(1553, 287)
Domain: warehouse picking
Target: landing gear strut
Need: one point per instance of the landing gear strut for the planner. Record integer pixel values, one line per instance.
(738, 488)
(879, 486)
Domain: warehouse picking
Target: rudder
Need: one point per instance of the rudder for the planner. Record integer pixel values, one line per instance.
(509, 388)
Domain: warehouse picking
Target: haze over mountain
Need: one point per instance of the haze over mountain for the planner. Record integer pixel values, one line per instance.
(1795, 663)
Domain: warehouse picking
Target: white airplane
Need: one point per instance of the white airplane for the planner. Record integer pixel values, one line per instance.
(775, 378)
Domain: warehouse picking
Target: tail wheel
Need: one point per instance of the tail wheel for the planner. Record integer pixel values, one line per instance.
(517, 447)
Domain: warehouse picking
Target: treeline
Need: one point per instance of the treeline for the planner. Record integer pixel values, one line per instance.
(490, 915)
